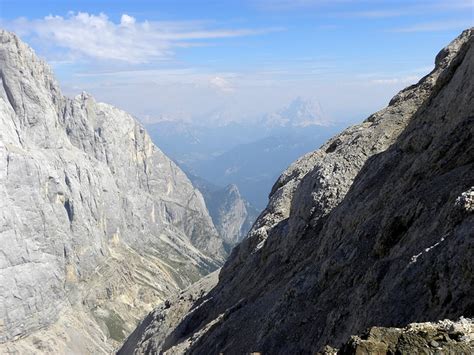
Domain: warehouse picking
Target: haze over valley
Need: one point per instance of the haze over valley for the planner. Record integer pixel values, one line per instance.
(250, 155)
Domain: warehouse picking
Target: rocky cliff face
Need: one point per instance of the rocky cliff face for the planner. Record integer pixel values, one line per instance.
(373, 229)
(232, 215)
(96, 224)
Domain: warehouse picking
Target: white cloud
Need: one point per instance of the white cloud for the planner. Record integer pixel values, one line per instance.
(435, 26)
(454, 5)
(373, 13)
(282, 5)
(410, 9)
(400, 80)
(127, 20)
(98, 37)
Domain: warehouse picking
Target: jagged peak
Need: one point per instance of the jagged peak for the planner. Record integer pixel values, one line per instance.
(453, 48)
(27, 84)
(453, 51)
(233, 189)
(19, 57)
(7, 36)
(85, 96)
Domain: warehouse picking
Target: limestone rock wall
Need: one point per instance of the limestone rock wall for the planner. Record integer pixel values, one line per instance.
(97, 225)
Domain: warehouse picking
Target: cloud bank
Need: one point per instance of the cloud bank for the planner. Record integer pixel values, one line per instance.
(98, 37)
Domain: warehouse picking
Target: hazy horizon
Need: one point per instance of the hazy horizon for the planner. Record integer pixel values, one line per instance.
(239, 60)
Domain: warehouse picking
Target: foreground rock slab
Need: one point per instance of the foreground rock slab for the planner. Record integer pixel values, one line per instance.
(443, 337)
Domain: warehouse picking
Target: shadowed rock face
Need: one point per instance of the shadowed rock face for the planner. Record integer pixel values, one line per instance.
(97, 225)
(373, 229)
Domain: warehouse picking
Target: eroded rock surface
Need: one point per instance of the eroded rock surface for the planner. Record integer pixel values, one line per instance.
(373, 229)
(97, 225)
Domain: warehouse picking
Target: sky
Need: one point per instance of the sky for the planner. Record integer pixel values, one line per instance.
(218, 60)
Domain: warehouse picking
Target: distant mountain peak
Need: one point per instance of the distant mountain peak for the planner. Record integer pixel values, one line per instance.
(301, 112)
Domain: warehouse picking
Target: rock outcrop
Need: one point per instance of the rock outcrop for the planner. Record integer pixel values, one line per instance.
(97, 225)
(443, 337)
(373, 229)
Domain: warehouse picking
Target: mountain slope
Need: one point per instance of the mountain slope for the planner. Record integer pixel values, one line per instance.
(96, 223)
(374, 228)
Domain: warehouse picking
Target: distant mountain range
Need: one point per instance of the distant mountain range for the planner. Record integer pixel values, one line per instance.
(249, 155)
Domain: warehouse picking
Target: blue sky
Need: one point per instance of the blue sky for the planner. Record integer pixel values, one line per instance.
(238, 59)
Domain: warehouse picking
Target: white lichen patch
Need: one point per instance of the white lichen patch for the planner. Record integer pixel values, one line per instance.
(466, 200)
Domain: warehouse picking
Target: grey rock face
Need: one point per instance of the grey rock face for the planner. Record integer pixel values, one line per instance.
(373, 229)
(96, 223)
